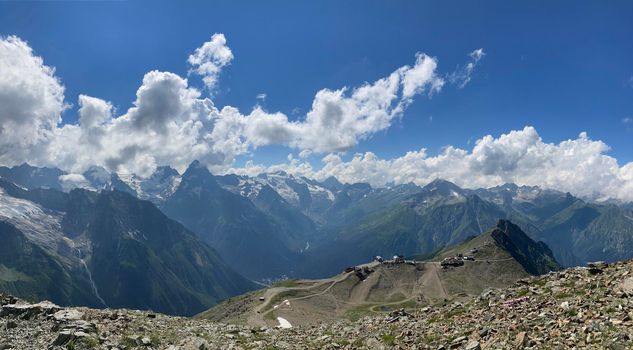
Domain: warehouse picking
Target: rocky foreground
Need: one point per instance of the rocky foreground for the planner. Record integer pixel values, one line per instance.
(575, 308)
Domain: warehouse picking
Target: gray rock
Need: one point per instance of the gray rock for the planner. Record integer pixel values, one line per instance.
(28, 311)
(145, 341)
(63, 338)
(473, 345)
(67, 315)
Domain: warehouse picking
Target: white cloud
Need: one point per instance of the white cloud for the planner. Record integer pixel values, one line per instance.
(421, 77)
(305, 154)
(209, 59)
(261, 97)
(462, 76)
(93, 112)
(31, 100)
(71, 181)
(627, 120)
(580, 166)
(339, 119)
(170, 122)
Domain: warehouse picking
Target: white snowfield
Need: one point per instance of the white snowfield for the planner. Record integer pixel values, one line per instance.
(251, 186)
(40, 225)
(283, 323)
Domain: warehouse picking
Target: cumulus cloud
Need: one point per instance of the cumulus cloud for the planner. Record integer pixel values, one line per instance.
(71, 181)
(31, 99)
(462, 76)
(209, 59)
(580, 166)
(93, 112)
(339, 119)
(172, 123)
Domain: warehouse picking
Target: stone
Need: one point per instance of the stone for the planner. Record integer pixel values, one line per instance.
(67, 315)
(28, 311)
(627, 285)
(473, 345)
(194, 343)
(520, 341)
(63, 338)
(598, 264)
(145, 341)
(459, 339)
(483, 332)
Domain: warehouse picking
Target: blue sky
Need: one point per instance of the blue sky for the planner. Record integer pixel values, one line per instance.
(562, 67)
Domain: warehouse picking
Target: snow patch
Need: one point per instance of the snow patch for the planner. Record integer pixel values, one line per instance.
(39, 225)
(283, 323)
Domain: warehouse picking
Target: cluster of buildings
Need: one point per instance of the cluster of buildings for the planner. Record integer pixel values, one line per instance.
(459, 259)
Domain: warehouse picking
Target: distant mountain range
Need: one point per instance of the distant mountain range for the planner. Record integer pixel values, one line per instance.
(269, 226)
(106, 249)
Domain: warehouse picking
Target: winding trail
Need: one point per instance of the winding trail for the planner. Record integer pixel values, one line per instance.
(430, 283)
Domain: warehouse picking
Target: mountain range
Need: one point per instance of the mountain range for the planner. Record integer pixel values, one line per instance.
(196, 233)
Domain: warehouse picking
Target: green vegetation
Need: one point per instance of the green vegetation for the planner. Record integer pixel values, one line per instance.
(388, 339)
(288, 283)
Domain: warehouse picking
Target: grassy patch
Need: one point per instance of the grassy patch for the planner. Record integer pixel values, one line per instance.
(288, 283)
(455, 312)
(270, 316)
(357, 313)
(389, 339)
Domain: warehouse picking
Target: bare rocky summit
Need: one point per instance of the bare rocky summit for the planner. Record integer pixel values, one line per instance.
(574, 308)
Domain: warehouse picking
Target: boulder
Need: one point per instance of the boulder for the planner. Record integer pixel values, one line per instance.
(67, 315)
(28, 311)
(473, 345)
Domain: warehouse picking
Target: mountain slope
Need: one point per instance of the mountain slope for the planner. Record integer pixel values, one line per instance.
(242, 234)
(503, 255)
(106, 249)
(575, 308)
(414, 226)
(507, 241)
(139, 257)
(31, 272)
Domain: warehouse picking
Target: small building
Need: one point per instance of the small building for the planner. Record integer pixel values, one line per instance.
(379, 258)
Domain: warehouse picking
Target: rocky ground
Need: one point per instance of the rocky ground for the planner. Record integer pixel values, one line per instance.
(576, 308)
